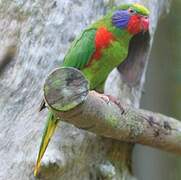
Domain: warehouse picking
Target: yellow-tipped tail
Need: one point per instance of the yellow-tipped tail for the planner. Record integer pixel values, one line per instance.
(48, 132)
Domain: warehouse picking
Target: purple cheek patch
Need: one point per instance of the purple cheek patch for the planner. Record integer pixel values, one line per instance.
(120, 18)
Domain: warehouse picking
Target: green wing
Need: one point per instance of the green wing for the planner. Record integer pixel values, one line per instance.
(81, 51)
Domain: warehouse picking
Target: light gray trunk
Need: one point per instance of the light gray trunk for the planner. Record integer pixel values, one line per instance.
(34, 36)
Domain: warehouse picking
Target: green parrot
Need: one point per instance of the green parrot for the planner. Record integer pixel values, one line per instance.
(100, 48)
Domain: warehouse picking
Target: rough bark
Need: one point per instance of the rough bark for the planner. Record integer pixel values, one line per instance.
(41, 31)
(67, 95)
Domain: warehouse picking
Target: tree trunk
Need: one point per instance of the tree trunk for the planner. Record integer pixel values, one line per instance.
(34, 37)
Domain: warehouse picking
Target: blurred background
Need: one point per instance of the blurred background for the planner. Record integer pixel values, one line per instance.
(40, 39)
(163, 94)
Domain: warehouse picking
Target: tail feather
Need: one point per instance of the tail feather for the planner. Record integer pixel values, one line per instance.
(48, 132)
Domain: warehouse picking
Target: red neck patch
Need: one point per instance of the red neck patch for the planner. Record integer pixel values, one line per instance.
(102, 40)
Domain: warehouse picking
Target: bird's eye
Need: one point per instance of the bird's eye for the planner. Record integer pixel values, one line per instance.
(131, 11)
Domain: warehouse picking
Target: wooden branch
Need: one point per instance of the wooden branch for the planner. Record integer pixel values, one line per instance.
(66, 93)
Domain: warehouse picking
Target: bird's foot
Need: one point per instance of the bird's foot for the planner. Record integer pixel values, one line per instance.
(105, 98)
(117, 102)
(102, 96)
(110, 98)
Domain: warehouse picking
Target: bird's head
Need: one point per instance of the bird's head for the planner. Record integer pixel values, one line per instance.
(132, 17)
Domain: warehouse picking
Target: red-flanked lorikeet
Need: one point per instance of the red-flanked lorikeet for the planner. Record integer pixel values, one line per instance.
(100, 48)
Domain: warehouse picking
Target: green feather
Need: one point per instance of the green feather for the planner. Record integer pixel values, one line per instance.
(137, 7)
(79, 55)
(111, 57)
(83, 48)
(81, 51)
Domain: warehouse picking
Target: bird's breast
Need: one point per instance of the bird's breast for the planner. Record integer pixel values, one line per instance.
(109, 58)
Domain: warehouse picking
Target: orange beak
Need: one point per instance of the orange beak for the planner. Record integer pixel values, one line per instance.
(145, 23)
